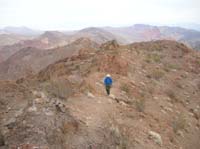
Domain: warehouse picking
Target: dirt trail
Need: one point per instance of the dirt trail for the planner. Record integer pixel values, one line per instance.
(94, 111)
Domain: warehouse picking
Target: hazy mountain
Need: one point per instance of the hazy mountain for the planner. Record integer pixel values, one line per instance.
(141, 32)
(136, 33)
(98, 35)
(9, 39)
(21, 31)
(193, 26)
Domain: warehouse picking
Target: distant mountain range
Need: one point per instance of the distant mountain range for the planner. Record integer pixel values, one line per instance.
(124, 35)
(12, 39)
(20, 31)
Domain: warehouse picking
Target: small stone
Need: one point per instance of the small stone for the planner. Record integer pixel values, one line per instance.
(122, 103)
(90, 95)
(156, 137)
(155, 97)
(163, 111)
(168, 109)
(112, 96)
(39, 100)
(98, 84)
(180, 133)
(37, 94)
(32, 109)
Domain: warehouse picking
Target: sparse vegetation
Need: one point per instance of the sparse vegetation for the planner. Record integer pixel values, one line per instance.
(179, 123)
(157, 74)
(198, 61)
(171, 94)
(118, 135)
(153, 58)
(156, 58)
(140, 104)
(173, 66)
(125, 87)
(59, 88)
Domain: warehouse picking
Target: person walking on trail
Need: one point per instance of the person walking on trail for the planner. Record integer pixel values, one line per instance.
(108, 83)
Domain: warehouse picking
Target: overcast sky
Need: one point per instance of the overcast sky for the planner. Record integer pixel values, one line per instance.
(76, 14)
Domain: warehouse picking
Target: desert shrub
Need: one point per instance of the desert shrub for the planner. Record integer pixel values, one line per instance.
(157, 47)
(153, 57)
(173, 66)
(117, 134)
(140, 104)
(198, 62)
(157, 74)
(179, 123)
(156, 58)
(148, 59)
(171, 94)
(125, 87)
(166, 69)
(60, 88)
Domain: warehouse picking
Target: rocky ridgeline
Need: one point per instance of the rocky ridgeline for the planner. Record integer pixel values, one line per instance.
(154, 101)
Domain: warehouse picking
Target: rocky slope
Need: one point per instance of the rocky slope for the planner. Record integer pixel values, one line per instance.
(29, 60)
(154, 100)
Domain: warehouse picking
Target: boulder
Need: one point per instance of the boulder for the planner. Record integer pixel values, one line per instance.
(156, 137)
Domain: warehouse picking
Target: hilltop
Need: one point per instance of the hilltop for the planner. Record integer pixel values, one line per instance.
(154, 102)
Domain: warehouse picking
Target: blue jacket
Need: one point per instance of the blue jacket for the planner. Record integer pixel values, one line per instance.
(108, 81)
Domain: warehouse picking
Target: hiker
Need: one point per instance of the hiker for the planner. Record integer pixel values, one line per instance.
(108, 83)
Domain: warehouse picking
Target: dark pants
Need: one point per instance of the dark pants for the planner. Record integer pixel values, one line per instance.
(108, 89)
